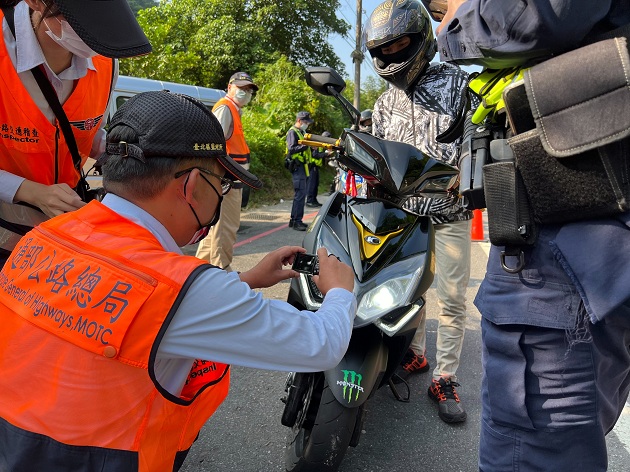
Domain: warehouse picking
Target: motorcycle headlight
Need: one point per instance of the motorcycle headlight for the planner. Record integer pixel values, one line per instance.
(392, 293)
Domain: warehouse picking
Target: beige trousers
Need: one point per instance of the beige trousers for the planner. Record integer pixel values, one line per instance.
(218, 247)
(452, 272)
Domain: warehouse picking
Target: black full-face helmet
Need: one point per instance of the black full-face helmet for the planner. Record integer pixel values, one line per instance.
(391, 21)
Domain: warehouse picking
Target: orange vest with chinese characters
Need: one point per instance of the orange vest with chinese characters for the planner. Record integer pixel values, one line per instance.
(85, 300)
(32, 147)
(236, 146)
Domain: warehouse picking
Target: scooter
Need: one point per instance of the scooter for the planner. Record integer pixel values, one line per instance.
(392, 253)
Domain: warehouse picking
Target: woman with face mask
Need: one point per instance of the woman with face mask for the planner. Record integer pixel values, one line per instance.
(74, 43)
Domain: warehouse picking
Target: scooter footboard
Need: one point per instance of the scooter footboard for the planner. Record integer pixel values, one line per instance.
(358, 374)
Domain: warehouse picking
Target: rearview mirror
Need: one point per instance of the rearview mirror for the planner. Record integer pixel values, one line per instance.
(321, 78)
(327, 81)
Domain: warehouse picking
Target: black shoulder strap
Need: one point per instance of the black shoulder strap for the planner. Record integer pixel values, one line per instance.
(62, 119)
(8, 14)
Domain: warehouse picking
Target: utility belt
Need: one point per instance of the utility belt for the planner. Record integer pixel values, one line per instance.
(561, 154)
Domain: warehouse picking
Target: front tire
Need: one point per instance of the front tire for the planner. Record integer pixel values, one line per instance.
(319, 444)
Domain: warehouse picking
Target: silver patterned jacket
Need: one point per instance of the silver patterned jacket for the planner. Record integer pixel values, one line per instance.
(416, 118)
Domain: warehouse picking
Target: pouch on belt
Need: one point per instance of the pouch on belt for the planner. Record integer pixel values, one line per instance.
(575, 162)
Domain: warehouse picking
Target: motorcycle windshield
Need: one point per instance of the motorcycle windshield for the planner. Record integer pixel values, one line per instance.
(400, 168)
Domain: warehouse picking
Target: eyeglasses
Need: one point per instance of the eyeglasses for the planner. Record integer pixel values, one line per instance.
(226, 184)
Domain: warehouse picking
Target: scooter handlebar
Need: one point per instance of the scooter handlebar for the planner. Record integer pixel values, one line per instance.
(320, 141)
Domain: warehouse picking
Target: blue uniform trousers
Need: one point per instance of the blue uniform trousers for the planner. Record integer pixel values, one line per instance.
(550, 396)
(299, 188)
(312, 184)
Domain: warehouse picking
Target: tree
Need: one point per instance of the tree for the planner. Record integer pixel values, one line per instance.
(137, 5)
(203, 43)
(300, 30)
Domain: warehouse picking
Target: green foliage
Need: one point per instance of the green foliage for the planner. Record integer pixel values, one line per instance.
(137, 5)
(203, 43)
(300, 30)
(200, 43)
(371, 89)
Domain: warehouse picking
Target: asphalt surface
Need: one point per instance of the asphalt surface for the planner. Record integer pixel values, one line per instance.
(245, 434)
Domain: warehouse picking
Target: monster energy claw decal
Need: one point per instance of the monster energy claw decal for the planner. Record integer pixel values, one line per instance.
(351, 384)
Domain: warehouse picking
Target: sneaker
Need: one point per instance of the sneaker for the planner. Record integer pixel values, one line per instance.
(450, 409)
(299, 226)
(313, 205)
(412, 363)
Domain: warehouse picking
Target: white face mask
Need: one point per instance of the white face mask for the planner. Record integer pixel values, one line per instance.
(70, 40)
(242, 97)
(304, 126)
(200, 234)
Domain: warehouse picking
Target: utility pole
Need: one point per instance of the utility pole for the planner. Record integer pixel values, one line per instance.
(357, 58)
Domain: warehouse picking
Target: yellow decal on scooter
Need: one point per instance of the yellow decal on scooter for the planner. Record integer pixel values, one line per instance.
(371, 243)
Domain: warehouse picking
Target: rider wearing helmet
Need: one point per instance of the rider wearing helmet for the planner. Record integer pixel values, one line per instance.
(365, 122)
(425, 101)
(391, 23)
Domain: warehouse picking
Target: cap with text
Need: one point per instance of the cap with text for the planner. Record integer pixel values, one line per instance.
(242, 79)
(175, 126)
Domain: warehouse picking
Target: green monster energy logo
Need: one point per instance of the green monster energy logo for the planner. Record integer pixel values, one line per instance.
(349, 386)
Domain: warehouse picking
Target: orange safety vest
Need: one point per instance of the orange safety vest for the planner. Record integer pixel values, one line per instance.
(85, 300)
(236, 146)
(32, 147)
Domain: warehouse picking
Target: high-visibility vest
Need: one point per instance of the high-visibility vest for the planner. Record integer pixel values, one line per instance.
(317, 161)
(236, 146)
(32, 147)
(85, 300)
(305, 156)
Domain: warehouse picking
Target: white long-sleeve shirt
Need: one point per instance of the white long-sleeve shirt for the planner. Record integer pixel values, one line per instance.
(223, 320)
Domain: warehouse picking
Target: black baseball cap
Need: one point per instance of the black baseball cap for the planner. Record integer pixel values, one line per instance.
(304, 116)
(242, 79)
(109, 27)
(177, 126)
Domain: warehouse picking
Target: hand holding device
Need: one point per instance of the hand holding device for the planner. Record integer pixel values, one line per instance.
(306, 263)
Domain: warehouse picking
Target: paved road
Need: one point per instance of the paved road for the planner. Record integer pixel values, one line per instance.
(245, 434)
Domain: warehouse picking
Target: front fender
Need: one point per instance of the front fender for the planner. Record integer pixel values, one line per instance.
(353, 380)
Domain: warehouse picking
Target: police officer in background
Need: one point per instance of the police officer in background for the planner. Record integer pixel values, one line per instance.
(556, 335)
(301, 157)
